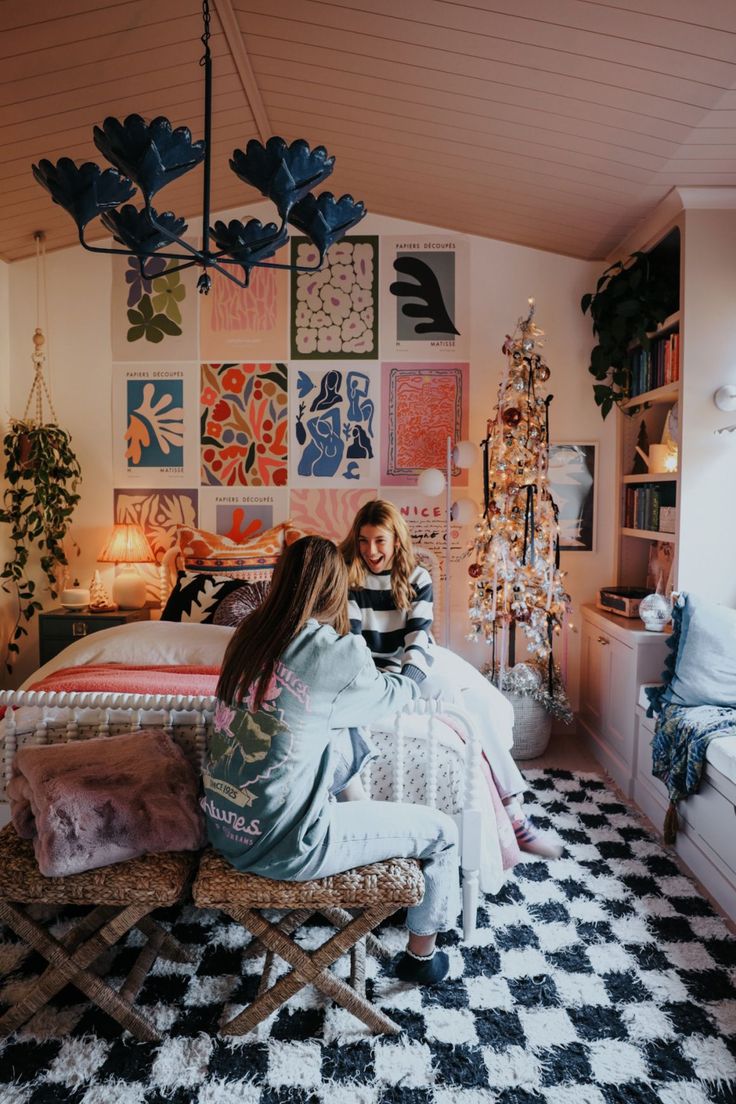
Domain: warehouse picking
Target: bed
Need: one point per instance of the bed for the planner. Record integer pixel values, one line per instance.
(164, 673)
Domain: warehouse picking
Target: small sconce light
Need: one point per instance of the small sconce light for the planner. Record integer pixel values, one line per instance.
(725, 397)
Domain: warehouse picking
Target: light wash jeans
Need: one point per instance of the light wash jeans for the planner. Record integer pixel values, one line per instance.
(362, 832)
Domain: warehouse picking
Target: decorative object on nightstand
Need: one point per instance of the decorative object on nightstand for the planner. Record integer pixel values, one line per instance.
(75, 597)
(127, 544)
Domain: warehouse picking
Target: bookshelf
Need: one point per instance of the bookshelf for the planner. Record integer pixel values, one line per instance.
(648, 501)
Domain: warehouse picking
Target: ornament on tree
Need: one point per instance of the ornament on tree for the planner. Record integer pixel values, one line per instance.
(515, 577)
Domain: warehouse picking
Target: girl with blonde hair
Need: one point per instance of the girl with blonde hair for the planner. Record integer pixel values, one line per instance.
(391, 608)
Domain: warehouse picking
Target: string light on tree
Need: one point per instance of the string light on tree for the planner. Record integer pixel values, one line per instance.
(515, 575)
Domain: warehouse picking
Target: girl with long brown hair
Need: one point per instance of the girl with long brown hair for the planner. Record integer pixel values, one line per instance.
(391, 607)
(292, 684)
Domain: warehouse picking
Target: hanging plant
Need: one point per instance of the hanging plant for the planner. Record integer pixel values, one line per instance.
(42, 473)
(631, 299)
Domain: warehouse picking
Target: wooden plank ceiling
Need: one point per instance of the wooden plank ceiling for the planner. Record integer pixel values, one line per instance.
(556, 124)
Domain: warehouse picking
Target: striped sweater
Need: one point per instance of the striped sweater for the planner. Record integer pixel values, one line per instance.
(399, 640)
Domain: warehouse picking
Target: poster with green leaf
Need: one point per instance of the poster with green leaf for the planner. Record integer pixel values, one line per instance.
(154, 311)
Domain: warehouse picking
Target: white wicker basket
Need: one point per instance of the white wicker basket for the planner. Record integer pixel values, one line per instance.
(532, 726)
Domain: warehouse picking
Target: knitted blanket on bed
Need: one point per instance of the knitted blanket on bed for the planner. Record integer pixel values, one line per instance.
(90, 803)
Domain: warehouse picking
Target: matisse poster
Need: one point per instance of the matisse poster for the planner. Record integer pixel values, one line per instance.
(247, 324)
(243, 424)
(334, 311)
(242, 513)
(159, 512)
(154, 425)
(334, 424)
(424, 404)
(154, 313)
(425, 298)
(326, 511)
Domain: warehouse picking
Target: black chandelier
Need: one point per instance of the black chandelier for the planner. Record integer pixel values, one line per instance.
(152, 155)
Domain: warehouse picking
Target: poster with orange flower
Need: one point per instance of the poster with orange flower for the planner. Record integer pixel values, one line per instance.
(246, 324)
(243, 425)
(155, 427)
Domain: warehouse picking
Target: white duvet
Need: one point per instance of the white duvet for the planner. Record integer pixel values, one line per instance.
(143, 644)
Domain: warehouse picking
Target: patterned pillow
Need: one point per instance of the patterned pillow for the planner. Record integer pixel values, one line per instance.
(195, 598)
(239, 603)
(252, 559)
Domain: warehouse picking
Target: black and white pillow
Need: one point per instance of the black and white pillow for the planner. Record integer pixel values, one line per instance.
(195, 598)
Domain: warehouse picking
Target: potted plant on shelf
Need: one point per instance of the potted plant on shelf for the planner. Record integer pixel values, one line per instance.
(42, 473)
(631, 299)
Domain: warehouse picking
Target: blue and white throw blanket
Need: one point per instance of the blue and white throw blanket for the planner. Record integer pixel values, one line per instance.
(681, 738)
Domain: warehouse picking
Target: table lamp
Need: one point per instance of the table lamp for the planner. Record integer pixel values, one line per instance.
(127, 544)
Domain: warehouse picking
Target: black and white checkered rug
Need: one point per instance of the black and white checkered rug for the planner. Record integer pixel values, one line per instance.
(602, 978)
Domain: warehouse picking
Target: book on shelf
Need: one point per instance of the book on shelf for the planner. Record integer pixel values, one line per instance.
(656, 366)
(643, 505)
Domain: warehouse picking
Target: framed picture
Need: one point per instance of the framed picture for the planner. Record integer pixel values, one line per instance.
(572, 485)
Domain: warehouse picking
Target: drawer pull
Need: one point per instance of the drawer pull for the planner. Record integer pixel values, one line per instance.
(602, 640)
(79, 628)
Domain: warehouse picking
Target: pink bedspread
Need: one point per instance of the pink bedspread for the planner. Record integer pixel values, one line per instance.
(113, 678)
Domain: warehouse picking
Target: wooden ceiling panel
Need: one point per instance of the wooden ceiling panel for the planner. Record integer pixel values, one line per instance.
(556, 124)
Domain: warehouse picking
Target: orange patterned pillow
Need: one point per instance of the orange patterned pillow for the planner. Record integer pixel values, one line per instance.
(212, 551)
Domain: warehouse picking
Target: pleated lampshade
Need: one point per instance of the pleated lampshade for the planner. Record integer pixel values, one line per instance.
(128, 544)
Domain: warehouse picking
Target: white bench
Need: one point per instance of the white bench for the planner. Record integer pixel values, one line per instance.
(706, 838)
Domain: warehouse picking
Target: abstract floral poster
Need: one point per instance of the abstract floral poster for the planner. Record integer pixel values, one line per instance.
(334, 312)
(327, 512)
(154, 419)
(425, 298)
(333, 424)
(243, 425)
(246, 324)
(154, 317)
(424, 404)
(159, 512)
(241, 515)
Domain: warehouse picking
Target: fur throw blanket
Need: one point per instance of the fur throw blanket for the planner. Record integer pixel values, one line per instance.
(90, 803)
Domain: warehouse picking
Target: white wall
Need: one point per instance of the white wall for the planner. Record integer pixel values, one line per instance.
(708, 460)
(503, 276)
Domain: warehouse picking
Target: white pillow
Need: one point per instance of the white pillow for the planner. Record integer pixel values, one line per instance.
(143, 644)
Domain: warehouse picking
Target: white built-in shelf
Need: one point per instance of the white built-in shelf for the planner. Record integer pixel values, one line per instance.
(670, 323)
(666, 394)
(655, 477)
(649, 534)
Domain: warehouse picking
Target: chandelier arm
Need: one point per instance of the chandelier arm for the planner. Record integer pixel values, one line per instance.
(291, 268)
(128, 253)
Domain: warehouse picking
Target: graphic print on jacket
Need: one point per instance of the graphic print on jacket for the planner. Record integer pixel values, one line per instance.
(269, 770)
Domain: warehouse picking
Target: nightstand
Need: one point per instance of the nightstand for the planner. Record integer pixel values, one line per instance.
(59, 628)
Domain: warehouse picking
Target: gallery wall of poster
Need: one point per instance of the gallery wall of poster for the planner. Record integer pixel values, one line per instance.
(302, 396)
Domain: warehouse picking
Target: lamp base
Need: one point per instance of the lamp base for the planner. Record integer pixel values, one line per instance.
(129, 590)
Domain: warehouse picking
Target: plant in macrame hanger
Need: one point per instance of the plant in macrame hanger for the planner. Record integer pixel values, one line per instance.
(42, 474)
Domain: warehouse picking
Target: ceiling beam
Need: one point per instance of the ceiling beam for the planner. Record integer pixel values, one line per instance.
(239, 53)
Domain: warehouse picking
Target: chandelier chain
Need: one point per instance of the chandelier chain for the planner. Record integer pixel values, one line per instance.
(205, 37)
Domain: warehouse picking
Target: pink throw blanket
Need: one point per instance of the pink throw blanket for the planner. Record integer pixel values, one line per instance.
(113, 678)
(90, 803)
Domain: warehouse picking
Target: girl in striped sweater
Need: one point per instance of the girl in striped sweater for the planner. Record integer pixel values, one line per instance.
(391, 607)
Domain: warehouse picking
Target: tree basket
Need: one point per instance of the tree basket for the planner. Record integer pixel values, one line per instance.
(532, 726)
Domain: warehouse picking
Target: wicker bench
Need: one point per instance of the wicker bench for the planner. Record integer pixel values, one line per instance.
(119, 897)
(374, 892)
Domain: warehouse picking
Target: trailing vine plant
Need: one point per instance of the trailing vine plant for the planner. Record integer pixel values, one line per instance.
(631, 299)
(43, 473)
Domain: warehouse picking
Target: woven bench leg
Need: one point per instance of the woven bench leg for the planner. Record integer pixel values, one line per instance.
(309, 968)
(65, 967)
(339, 917)
(171, 949)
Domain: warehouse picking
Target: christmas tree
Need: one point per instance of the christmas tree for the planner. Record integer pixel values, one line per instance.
(516, 577)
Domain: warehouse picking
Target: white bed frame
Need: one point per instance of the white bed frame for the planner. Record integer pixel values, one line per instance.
(188, 719)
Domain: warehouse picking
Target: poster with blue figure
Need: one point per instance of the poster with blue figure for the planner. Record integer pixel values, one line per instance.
(334, 424)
